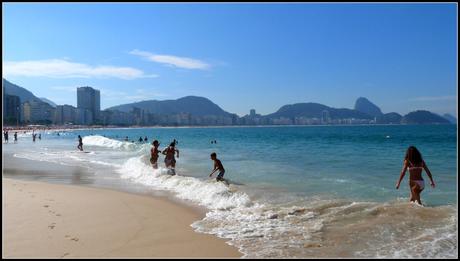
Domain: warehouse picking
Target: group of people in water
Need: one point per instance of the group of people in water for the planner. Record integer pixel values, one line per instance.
(170, 160)
(413, 162)
(15, 136)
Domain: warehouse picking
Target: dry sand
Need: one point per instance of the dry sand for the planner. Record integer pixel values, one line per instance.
(49, 220)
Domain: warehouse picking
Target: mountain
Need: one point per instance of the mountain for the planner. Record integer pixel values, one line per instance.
(364, 105)
(423, 117)
(48, 101)
(198, 106)
(450, 118)
(389, 118)
(315, 110)
(13, 89)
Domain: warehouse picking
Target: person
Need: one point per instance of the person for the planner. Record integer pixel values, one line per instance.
(15, 137)
(126, 138)
(80, 143)
(154, 154)
(34, 136)
(217, 167)
(39, 136)
(140, 139)
(5, 135)
(175, 142)
(145, 139)
(414, 162)
(170, 161)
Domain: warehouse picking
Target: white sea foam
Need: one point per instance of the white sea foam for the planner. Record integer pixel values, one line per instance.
(101, 141)
(265, 230)
(208, 193)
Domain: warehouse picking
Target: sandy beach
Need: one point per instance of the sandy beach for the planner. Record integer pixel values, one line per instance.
(50, 220)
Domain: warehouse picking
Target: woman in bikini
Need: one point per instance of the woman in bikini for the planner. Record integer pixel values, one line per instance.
(170, 161)
(415, 163)
(154, 154)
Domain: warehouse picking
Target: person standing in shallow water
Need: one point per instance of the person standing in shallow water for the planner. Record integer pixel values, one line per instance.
(80, 143)
(217, 167)
(170, 161)
(414, 162)
(154, 154)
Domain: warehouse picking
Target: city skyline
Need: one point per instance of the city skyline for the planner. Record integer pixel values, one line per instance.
(241, 56)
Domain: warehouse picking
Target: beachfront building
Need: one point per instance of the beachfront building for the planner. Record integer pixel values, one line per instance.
(88, 105)
(36, 111)
(325, 117)
(65, 114)
(11, 109)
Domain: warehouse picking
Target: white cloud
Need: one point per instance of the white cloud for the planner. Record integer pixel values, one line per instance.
(434, 98)
(181, 62)
(57, 68)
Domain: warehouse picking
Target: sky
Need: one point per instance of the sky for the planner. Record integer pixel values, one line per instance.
(402, 57)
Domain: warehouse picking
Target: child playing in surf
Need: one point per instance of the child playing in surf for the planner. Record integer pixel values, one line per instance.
(217, 167)
(154, 154)
(415, 163)
(170, 161)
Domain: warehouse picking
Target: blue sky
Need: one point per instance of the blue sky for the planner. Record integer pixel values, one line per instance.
(402, 57)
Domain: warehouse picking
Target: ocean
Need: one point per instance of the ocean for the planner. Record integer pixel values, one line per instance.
(294, 191)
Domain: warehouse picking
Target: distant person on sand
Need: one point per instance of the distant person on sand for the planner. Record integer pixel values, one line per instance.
(170, 161)
(154, 154)
(15, 137)
(5, 135)
(415, 163)
(217, 167)
(80, 143)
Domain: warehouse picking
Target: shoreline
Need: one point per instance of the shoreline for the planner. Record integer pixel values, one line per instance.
(55, 220)
(63, 128)
(78, 205)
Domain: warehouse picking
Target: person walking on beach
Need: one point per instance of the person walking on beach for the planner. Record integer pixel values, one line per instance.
(34, 136)
(15, 137)
(80, 143)
(415, 163)
(154, 154)
(170, 161)
(217, 167)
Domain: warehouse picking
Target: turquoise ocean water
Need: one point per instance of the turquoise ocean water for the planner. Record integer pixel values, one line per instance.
(310, 191)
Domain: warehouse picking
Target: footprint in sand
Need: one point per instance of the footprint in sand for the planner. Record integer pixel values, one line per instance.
(65, 254)
(52, 225)
(45, 206)
(73, 239)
